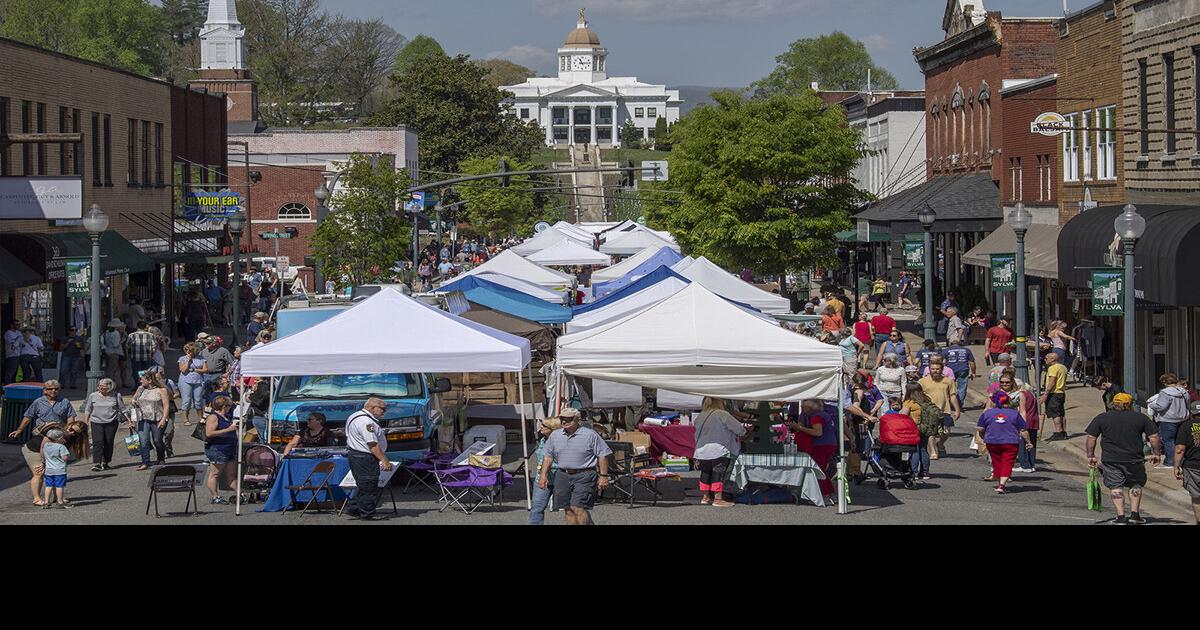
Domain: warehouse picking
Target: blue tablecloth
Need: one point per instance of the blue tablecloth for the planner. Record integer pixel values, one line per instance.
(292, 472)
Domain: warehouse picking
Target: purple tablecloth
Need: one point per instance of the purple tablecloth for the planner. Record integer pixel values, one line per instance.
(675, 439)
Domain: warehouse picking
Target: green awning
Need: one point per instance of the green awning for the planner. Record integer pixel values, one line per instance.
(14, 273)
(117, 255)
(914, 237)
(876, 236)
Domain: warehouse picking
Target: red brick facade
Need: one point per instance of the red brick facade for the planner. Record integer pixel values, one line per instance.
(280, 187)
(1028, 166)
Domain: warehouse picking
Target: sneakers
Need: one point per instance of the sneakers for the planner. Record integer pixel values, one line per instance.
(1119, 520)
(66, 505)
(1057, 437)
(219, 501)
(721, 503)
(1000, 489)
(97, 467)
(1136, 519)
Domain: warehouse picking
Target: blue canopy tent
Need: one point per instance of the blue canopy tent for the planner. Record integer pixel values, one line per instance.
(650, 279)
(501, 298)
(664, 256)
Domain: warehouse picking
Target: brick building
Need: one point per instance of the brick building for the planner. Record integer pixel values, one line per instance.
(132, 135)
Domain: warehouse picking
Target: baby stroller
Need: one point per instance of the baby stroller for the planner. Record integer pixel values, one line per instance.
(259, 465)
(898, 440)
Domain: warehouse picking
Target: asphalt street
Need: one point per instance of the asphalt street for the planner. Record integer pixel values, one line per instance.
(1054, 495)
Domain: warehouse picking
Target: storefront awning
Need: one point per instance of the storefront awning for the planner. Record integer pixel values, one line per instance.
(117, 255)
(1165, 256)
(14, 273)
(1041, 249)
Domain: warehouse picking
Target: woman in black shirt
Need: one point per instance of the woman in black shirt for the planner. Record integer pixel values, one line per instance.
(314, 434)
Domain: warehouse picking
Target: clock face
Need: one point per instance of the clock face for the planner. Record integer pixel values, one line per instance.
(581, 62)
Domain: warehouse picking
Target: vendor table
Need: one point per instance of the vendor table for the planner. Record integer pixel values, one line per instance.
(674, 439)
(293, 471)
(799, 471)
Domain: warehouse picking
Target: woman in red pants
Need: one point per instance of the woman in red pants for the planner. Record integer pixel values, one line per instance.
(1003, 430)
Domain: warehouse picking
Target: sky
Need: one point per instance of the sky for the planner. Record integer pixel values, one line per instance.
(715, 43)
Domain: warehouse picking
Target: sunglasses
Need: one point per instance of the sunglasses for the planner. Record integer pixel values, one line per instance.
(49, 389)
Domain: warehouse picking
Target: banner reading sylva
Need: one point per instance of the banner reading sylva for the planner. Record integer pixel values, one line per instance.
(1108, 292)
(914, 256)
(1004, 272)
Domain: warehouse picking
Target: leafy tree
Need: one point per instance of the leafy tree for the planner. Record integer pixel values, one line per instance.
(501, 72)
(421, 47)
(183, 19)
(631, 135)
(662, 135)
(129, 34)
(765, 182)
(492, 210)
(834, 61)
(364, 234)
(457, 113)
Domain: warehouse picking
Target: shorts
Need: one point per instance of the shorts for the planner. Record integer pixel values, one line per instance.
(576, 489)
(1123, 474)
(1191, 482)
(219, 456)
(32, 459)
(1056, 405)
(55, 481)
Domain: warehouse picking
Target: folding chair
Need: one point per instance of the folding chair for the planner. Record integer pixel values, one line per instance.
(420, 472)
(326, 470)
(468, 487)
(175, 478)
(622, 464)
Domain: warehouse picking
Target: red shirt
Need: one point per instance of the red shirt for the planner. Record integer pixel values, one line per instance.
(1000, 337)
(883, 324)
(862, 330)
(804, 441)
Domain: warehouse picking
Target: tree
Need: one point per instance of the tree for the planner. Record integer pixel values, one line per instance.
(364, 232)
(367, 51)
(502, 72)
(129, 34)
(834, 62)
(183, 19)
(457, 114)
(662, 135)
(492, 210)
(766, 182)
(419, 48)
(631, 135)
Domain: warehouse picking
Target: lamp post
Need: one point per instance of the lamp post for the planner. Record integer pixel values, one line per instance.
(927, 216)
(1020, 219)
(1129, 226)
(96, 222)
(237, 221)
(322, 194)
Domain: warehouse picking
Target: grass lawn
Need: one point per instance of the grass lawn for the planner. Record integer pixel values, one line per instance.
(548, 156)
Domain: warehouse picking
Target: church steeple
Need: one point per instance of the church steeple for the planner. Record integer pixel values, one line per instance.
(221, 46)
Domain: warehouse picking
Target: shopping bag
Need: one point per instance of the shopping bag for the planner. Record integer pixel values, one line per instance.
(133, 444)
(1094, 495)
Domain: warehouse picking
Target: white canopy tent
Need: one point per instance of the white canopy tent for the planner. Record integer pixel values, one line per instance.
(518, 284)
(636, 241)
(598, 226)
(374, 337)
(683, 264)
(727, 285)
(546, 238)
(509, 263)
(625, 266)
(569, 252)
(575, 231)
(626, 306)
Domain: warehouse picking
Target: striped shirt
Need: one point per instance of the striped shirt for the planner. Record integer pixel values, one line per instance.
(42, 411)
(581, 449)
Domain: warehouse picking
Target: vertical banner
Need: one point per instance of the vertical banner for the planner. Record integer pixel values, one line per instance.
(1004, 272)
(79, 277)
(914, 256)
(1108, 292)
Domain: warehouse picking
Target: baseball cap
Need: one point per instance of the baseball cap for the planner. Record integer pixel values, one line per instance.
(203, 336)
(1123, 399)
(1004, 356)
(1196, 407)
(568, 413)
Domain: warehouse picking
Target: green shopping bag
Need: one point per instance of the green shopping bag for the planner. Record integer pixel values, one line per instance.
(1094, 494)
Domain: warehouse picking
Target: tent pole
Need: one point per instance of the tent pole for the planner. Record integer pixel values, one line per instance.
(270, 412)
(841, 467)
(240, 432)
(532, 398)
(524, 438)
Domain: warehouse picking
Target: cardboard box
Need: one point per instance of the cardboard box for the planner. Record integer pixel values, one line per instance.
(637, 438)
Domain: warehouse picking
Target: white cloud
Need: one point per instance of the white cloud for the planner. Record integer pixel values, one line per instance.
(682, 10)
(532, 57)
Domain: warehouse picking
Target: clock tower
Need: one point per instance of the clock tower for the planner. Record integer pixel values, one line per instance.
(223, 63)
(581, 58)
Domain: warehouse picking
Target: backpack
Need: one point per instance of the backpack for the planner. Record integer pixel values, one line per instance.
(931, 419)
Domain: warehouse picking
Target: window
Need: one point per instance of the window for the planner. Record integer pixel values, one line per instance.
(96, 181)
(131, 176)
(600, 64)
(1106, 142)
(604, 134)
(650, 132)
(583, 116)
(559, 116)
(41, 148)
(26, 123)
(604, 116)
(63, 167)
(1169, 100)
(562, 63)
(1143, 115)
(3, 132)
(639, 112)
(158, 154)
(1014, 179)
(1084, 144)
(145, 153)
(1196, 98)
(1070, 156)
(1045, 179)
(76, 148)
(562, 134)
(651, 112)
(108, 150)
(524, 113)
(294, 212)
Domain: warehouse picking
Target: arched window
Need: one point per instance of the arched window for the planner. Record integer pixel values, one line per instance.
(294, 212)
(985, 120)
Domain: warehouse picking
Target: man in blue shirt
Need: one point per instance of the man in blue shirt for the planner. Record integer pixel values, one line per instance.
(49, 408)
(929, 349)
(962, 363)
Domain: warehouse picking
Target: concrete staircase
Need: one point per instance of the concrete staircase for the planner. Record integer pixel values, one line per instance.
(590, 186)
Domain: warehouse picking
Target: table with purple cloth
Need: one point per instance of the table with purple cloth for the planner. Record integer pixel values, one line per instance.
(673, 439)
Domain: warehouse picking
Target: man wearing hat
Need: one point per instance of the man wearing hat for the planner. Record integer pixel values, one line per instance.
(1121, 432)
(256, 325)
(1187, 457)
(1001, 362)
(578, 451)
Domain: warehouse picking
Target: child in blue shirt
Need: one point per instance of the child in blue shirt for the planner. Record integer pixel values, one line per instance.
(54, 459)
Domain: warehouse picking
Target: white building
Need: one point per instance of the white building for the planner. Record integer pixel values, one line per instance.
(583, 104)
(893, 132)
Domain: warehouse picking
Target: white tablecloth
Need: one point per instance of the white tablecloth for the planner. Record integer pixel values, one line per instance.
(799, 471)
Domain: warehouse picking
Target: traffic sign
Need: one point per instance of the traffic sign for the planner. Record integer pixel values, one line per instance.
(266, 236)
(651, 175)
(282, 264)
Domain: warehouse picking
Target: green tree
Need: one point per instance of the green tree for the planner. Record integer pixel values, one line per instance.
(631, 135)
(129, 34)
(493, 210)
(419, 48)
(501, 72)
(183, 19)
(833, 61)
(662, 135)
(766, 182)
(364, 234)
(458, 115)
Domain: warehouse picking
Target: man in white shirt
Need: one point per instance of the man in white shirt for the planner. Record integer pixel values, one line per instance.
(12, 351)
(31, 355)
(366, 441)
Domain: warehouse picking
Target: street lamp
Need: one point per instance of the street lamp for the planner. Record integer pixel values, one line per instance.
(1020, 219)
(237, 221)
(1129, 226)
(95, 222)
(927, 216)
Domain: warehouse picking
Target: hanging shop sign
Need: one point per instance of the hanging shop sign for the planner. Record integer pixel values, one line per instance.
(79, 277)
(1050, 124)
(1004, 272)
(914, 256)
(1108, 292)
(210, 206)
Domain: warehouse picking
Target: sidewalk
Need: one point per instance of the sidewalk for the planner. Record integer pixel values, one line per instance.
(1083, 404)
